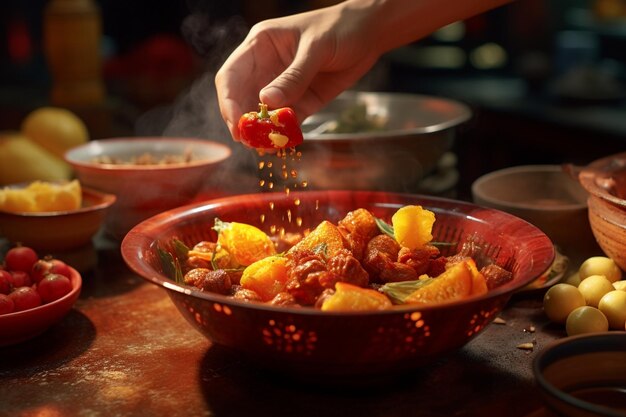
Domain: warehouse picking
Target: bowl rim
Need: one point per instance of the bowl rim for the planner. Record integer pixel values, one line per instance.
(463, 110)
(601, 169)
(539, 168)
(77, 284)
(70, 156)
(104, 201)
(572, 346)
(137, 238)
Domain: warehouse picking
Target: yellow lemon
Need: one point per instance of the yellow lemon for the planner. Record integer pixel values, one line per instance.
(23, 161)
(55, 129)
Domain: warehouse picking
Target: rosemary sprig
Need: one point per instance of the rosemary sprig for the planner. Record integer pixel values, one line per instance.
(171, 266)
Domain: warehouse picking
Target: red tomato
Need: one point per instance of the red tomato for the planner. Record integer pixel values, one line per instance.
(20, 258)
(60, 267)
(53, 287)
(6, 282)
(6, 304)
(40, 269)
(21, 279)
(25, 298)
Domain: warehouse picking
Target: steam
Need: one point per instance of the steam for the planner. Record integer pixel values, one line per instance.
(195, 112)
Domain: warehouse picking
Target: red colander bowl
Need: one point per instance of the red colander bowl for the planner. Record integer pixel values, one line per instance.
(306, 341)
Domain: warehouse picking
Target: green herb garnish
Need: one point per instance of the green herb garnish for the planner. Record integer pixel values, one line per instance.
(399, 291)
(384, 227)
(171, 266)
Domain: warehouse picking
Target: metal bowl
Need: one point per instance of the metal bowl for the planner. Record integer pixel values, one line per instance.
(339, 345)
(411, 134)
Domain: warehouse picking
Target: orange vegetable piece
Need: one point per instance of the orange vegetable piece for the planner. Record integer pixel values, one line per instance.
(326, 237)
(267, 277)
(245, 243)
(348, 297)
(479, 283)
(412, 226)
(455, 283)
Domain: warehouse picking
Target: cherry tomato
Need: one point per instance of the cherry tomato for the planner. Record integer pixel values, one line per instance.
(20, 258)
(49, 265)
(25, 298)
(60, 267)
(21, 279)
(40, 269)
(6, 304)
(53, 287)
(6, 282)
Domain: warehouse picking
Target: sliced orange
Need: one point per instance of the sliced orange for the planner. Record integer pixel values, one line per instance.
(412, 226)
(245, 243)
(325, 238)
(267, 277)
(348, 297)
(42, 196)
(455, 283)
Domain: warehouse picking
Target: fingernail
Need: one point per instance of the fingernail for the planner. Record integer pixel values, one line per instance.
(272, 96)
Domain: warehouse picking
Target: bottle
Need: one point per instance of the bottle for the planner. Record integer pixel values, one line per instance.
(72, 34)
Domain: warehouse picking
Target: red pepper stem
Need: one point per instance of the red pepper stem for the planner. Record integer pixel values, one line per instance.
(263, 113)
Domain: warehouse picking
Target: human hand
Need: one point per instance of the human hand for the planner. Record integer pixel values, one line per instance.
(301, 61)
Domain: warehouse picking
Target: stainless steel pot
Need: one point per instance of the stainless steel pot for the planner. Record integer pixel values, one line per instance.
(409, 136)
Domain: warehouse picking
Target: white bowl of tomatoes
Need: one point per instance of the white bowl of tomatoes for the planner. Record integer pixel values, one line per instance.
(35, 293)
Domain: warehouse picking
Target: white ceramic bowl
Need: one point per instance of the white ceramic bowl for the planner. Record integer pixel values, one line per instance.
(144, 190)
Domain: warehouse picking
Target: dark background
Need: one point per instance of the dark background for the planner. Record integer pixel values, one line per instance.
(545, 80)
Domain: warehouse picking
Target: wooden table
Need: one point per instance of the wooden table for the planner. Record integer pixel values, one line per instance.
(124, 350)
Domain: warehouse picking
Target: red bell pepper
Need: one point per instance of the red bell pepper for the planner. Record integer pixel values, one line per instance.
(273, 129)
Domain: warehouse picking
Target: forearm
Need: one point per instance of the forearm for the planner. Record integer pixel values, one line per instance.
(399, 22)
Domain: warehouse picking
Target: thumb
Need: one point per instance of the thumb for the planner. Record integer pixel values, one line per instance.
(291, 84)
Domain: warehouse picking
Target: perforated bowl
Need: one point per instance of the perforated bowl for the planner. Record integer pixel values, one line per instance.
(305, 341)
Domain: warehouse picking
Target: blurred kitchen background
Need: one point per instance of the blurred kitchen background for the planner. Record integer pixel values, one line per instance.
(546, 80)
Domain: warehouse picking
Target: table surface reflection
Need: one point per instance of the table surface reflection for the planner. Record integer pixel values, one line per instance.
(124, 350)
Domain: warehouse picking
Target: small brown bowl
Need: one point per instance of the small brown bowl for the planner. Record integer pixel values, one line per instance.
(58, 230)
(584, 376)
(545, 196)
(605, 181)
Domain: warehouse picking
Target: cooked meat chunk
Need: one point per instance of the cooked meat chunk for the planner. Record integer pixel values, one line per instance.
(422, 260)
(244, 294)
(348, 269)
(495, 276)
(307, 272)
(380, 261)
(205, 279)
(358, 228)
(283, 299)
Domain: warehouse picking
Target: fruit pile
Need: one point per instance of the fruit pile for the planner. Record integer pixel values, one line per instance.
(36, 151)
(591, 300)
(41, 197)
(28, 281)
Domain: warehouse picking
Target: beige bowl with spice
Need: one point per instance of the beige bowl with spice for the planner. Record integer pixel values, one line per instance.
(147, 174)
